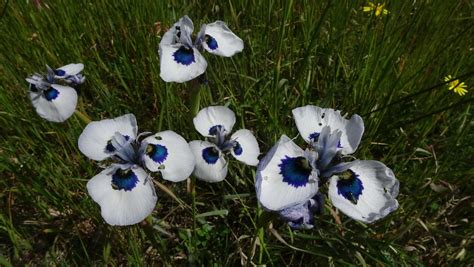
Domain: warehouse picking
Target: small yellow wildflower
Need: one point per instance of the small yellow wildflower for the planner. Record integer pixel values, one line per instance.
(458, 87)
(377, 8)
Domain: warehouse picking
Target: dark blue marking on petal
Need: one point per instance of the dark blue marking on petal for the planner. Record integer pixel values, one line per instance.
(59, 72)
(350, 186)
(216, 129)
(124, 179)
(295, 171)
(110, 148)
(210, 155)
(33, 88)
(211, 42)
(51, 94)
(237, 149)
(339, 144)
(314, 137)
(184, 56)
(157, 153)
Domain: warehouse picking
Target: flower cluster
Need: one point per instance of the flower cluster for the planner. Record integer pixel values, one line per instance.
(53, 95)
(288, 177)
(180, 59)
(124, 189)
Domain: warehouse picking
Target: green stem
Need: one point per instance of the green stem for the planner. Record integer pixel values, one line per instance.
(195, 98)
(82, 116)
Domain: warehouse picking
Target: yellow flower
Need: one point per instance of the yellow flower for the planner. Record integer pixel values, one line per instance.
(458, 87)
(377, 8)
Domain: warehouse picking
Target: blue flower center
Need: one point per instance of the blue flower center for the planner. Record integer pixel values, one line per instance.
(59, 72)
(51, 94)
(237, 149)
(211, 42)
(157, 153)
(184, 55)
(350, 186)
(314, 137)
(295, 171)
(210, 155)
(124, 179)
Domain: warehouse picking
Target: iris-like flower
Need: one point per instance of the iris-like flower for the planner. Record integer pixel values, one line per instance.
(288, 177)
(378, 9)
(52, 100)
(124, 190)
(216, 123)
(180, 59)
(455, 85)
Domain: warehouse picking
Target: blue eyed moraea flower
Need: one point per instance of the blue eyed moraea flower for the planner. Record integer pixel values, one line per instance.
(180, 59)
(365, 190)
(124, 190)
(216, 123)
(52, 100)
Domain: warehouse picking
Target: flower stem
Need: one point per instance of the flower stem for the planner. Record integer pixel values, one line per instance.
(196, 93)
(82, 116)
(195, 99)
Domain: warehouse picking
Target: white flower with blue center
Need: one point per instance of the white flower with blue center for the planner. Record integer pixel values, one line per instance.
(365, 190)
(216, 123)
(180, 59)
(54, 101)
(124, 190)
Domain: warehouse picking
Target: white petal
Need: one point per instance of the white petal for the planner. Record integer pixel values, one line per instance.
(170, 154)
(170, 37)
(373, 191)
(210, 169)
(123, 205)
(247, 149)
(310, 121)
(213, 116)
(220, 40)
(94, 138)
(56, 104)
(276, 189)
(70, 69)
(180, 64)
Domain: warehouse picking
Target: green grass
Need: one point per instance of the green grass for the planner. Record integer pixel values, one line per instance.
(296, 53)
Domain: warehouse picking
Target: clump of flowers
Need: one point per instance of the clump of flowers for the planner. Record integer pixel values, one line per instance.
(378, 9)
(124, 189)
(216, 123)
(53, 95)
(288, 177)
(455, 85)
(180, 59)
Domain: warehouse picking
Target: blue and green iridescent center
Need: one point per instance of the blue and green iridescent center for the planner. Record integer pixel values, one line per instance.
(350, 186)
(295, 170)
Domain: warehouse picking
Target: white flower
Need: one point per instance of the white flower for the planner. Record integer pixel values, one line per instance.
(124, 190)
(180, 59)
(53, 101)
(216, 123)
(364, 190)
(288, 177)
